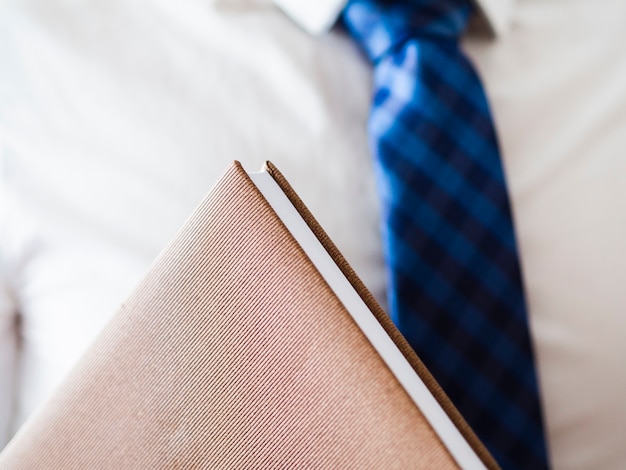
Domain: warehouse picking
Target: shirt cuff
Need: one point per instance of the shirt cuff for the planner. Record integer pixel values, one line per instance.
(314, 16)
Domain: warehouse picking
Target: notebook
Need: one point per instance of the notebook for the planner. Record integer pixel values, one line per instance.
(249, 343)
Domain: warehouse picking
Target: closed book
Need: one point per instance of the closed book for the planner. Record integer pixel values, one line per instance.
(249, 343)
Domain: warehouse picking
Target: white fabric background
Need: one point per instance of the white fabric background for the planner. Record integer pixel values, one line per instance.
(116, 117)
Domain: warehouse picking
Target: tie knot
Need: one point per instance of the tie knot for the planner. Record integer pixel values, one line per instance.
(381, 25)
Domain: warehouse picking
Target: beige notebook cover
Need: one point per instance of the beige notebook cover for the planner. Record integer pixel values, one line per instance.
(235, 352)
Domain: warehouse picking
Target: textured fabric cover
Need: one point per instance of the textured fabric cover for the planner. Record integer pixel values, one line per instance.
(233, 352)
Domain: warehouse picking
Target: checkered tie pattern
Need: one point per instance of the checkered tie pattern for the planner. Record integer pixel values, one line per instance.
(455, 289)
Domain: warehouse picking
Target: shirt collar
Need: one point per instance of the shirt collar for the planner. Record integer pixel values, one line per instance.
(318, 16)
(497, 13)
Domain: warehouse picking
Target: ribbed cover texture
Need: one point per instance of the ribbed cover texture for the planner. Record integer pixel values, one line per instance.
(232, 352)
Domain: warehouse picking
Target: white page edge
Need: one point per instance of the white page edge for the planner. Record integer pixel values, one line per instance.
(449, 434)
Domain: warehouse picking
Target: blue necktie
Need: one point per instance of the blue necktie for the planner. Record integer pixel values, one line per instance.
(455, 288)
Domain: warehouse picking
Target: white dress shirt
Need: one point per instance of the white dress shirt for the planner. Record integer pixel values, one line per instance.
(116, 117)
